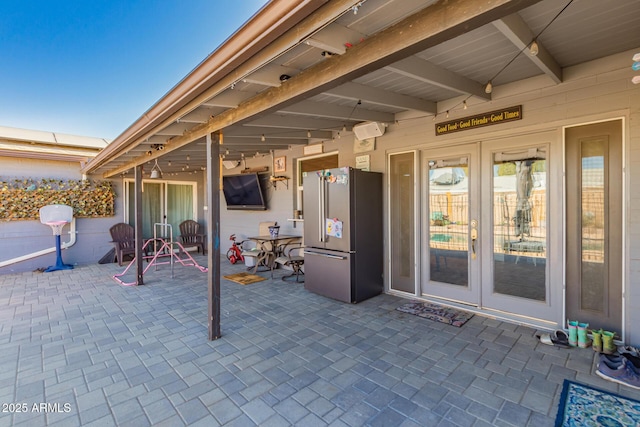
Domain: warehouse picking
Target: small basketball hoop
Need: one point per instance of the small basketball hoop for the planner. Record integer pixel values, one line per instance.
(57, 227)
(56, 216)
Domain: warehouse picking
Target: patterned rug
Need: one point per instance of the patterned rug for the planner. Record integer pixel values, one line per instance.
(244, 278)
(436, 312)
(581, 405)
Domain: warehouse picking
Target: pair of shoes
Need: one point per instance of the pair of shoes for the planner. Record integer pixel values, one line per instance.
(558, 338)
(578, 334)
(620, 370)
(627, 349)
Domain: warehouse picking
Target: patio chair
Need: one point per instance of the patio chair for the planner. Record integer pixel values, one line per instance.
(262, 253)
(292, 258)
(190, 235)
(124, 240)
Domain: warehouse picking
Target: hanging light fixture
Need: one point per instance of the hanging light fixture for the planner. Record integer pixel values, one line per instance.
(489, 87)
(156, 172)
(534, 49)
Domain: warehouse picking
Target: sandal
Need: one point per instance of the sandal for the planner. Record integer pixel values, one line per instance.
(558, 338)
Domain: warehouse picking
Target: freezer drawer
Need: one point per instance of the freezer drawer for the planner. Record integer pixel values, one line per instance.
(328, 273)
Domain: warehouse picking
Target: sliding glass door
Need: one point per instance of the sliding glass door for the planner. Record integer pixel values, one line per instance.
(162, 202)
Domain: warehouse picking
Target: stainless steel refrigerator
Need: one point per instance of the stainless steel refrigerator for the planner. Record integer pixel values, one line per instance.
(343, 233)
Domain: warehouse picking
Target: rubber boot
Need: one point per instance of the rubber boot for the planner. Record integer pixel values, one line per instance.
(608, 346)
(597, 340)
(573, 332)
(583, 338)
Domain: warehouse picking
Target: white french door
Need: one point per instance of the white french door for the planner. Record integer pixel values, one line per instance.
(450, 255)
(491, 224)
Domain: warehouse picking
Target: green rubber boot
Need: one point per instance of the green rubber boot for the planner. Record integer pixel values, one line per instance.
(608, 346)
(583, 338)
(573, 332)
(597, 340)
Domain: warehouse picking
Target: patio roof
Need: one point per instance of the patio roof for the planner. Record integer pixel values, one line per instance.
(301, 72)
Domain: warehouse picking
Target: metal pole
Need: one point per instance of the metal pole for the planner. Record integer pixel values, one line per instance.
(213, 236)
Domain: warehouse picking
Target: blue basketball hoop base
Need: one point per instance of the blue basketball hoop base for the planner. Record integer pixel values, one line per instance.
(59, 264)
(57, 226)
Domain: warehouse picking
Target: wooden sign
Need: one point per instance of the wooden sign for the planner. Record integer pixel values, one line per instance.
(508, 114)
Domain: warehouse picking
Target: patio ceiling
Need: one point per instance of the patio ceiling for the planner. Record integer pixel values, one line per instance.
(319, 67)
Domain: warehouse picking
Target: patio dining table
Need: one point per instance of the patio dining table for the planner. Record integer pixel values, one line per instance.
(277, 245)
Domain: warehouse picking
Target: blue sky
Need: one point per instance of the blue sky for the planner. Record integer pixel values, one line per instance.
(93, 67)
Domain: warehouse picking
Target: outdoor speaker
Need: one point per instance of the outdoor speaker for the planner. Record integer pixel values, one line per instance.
(368, 130)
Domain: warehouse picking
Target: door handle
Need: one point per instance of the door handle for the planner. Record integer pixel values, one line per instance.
(324, 255)
(474, 237)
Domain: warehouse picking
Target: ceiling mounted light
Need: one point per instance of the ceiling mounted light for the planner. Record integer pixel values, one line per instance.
(156, 172)
(489, 87)
(308, 134)
(262, 138)
(284, 77)
(464, 104)
(534, 49)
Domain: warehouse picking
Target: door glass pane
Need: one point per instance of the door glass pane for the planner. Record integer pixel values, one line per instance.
(151, 207)
(593, 231)
(449, 223)
(179, 205)
(520, 228)
(402, 202)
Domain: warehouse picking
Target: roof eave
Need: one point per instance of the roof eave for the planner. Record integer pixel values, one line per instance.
(266, 25)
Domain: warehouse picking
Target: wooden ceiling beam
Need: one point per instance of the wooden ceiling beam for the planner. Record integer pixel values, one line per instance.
(424, 71)
(372, 95)
(519, 33)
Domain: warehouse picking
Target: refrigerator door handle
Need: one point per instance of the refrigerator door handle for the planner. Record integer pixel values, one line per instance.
(325, 255)
(321, 209)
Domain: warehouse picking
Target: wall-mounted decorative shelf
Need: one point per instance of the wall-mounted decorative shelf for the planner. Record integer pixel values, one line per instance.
(276, 179)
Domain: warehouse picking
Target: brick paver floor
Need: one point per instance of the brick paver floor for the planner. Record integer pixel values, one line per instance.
(78, 349)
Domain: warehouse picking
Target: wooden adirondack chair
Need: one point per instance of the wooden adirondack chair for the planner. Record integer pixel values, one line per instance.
(190, 235)
(124, 240)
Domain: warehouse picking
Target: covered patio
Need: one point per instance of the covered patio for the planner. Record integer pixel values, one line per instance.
(114, 355)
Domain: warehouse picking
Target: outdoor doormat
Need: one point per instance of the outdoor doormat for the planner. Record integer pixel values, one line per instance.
(244, 278)
(436, 312)
(581, 405)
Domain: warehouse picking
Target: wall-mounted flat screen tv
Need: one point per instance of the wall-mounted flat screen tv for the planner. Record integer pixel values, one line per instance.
(243, 192)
